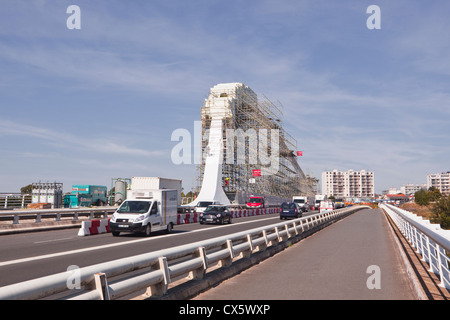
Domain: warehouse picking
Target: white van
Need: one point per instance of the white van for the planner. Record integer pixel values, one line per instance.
(302, 202)
(202, 205)
(326, 206)
(146, 211)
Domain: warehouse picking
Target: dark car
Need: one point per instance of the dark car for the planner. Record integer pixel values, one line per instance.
(215, 214)
(290, 210)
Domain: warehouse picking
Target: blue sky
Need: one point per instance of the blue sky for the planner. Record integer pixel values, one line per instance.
(84, 106)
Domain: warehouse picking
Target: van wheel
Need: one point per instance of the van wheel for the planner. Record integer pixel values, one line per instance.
(115, 233)
(148, 230)
(169, 228)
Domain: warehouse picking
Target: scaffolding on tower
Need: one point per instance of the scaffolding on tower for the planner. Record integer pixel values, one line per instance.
(240, 110)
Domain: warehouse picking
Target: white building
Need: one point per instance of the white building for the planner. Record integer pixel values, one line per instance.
(407, 189)
(440, 181)
(412, 188)
(350, 183)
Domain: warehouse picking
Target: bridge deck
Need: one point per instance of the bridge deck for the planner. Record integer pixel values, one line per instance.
(331, 264)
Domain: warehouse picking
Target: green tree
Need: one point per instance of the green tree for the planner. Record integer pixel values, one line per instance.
(422, 197)
(441, 211)
(434, 193)
(27, 189)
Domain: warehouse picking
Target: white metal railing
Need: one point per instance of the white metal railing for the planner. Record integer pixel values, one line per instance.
(14, 200)
(430, 241)
(154, 271)
(16, 215)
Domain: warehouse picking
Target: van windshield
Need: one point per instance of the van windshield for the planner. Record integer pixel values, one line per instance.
(203, 203)
(299, 200)
(137, 207)
(255, 200)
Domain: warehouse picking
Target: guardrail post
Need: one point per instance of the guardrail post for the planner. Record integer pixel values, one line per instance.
(314, 221)
(160, 289)
(430, 255)
(101, 285)
(295, 228)
(228, 260)
(440, 251)
(301, 225)
(286, 227)
(416, 240)
(38, 217)
(422, 247)
(198, 274)
(263, 246)
(429, 244)
(275, 241)
(247, 253)
(16, 219)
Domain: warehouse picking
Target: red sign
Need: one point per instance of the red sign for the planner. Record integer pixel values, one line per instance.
(299, 153)
(257, 173)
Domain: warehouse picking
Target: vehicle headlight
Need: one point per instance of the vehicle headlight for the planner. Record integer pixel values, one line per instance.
(201, 215)
(219, 215)
(113, 218)
(140, 218)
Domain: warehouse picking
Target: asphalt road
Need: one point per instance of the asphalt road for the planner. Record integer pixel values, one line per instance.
(33, 255)
(334, 263)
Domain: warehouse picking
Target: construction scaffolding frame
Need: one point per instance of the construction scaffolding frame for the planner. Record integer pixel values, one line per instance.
(241, 109)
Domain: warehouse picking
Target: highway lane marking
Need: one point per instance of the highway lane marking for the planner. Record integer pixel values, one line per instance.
(65, 253)
(52, 240)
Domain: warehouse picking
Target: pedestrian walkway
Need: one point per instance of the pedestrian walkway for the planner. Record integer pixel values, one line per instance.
(355, 258)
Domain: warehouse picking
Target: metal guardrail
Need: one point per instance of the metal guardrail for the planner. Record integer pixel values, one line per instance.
(154, 271)
(37, 215)
(430, 240)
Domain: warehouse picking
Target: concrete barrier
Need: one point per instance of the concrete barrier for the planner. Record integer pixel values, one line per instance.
(185, 218)
(94, 227)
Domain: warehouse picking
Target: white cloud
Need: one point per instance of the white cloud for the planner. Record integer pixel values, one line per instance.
(62, 140)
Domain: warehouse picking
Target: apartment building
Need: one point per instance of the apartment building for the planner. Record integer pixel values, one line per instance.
(345, 184)
(407, 189)
(412, 188)
(440, 181)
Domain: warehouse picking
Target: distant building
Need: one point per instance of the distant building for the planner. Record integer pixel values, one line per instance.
(407, 189)
(440, 181)
(356, 184)
(412, 188)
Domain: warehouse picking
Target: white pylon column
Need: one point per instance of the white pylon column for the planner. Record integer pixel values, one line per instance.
(212, 188)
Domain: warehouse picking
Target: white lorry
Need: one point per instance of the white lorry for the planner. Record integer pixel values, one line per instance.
(302, 202)
(146, 211)
(146, 183)
(318, 199)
